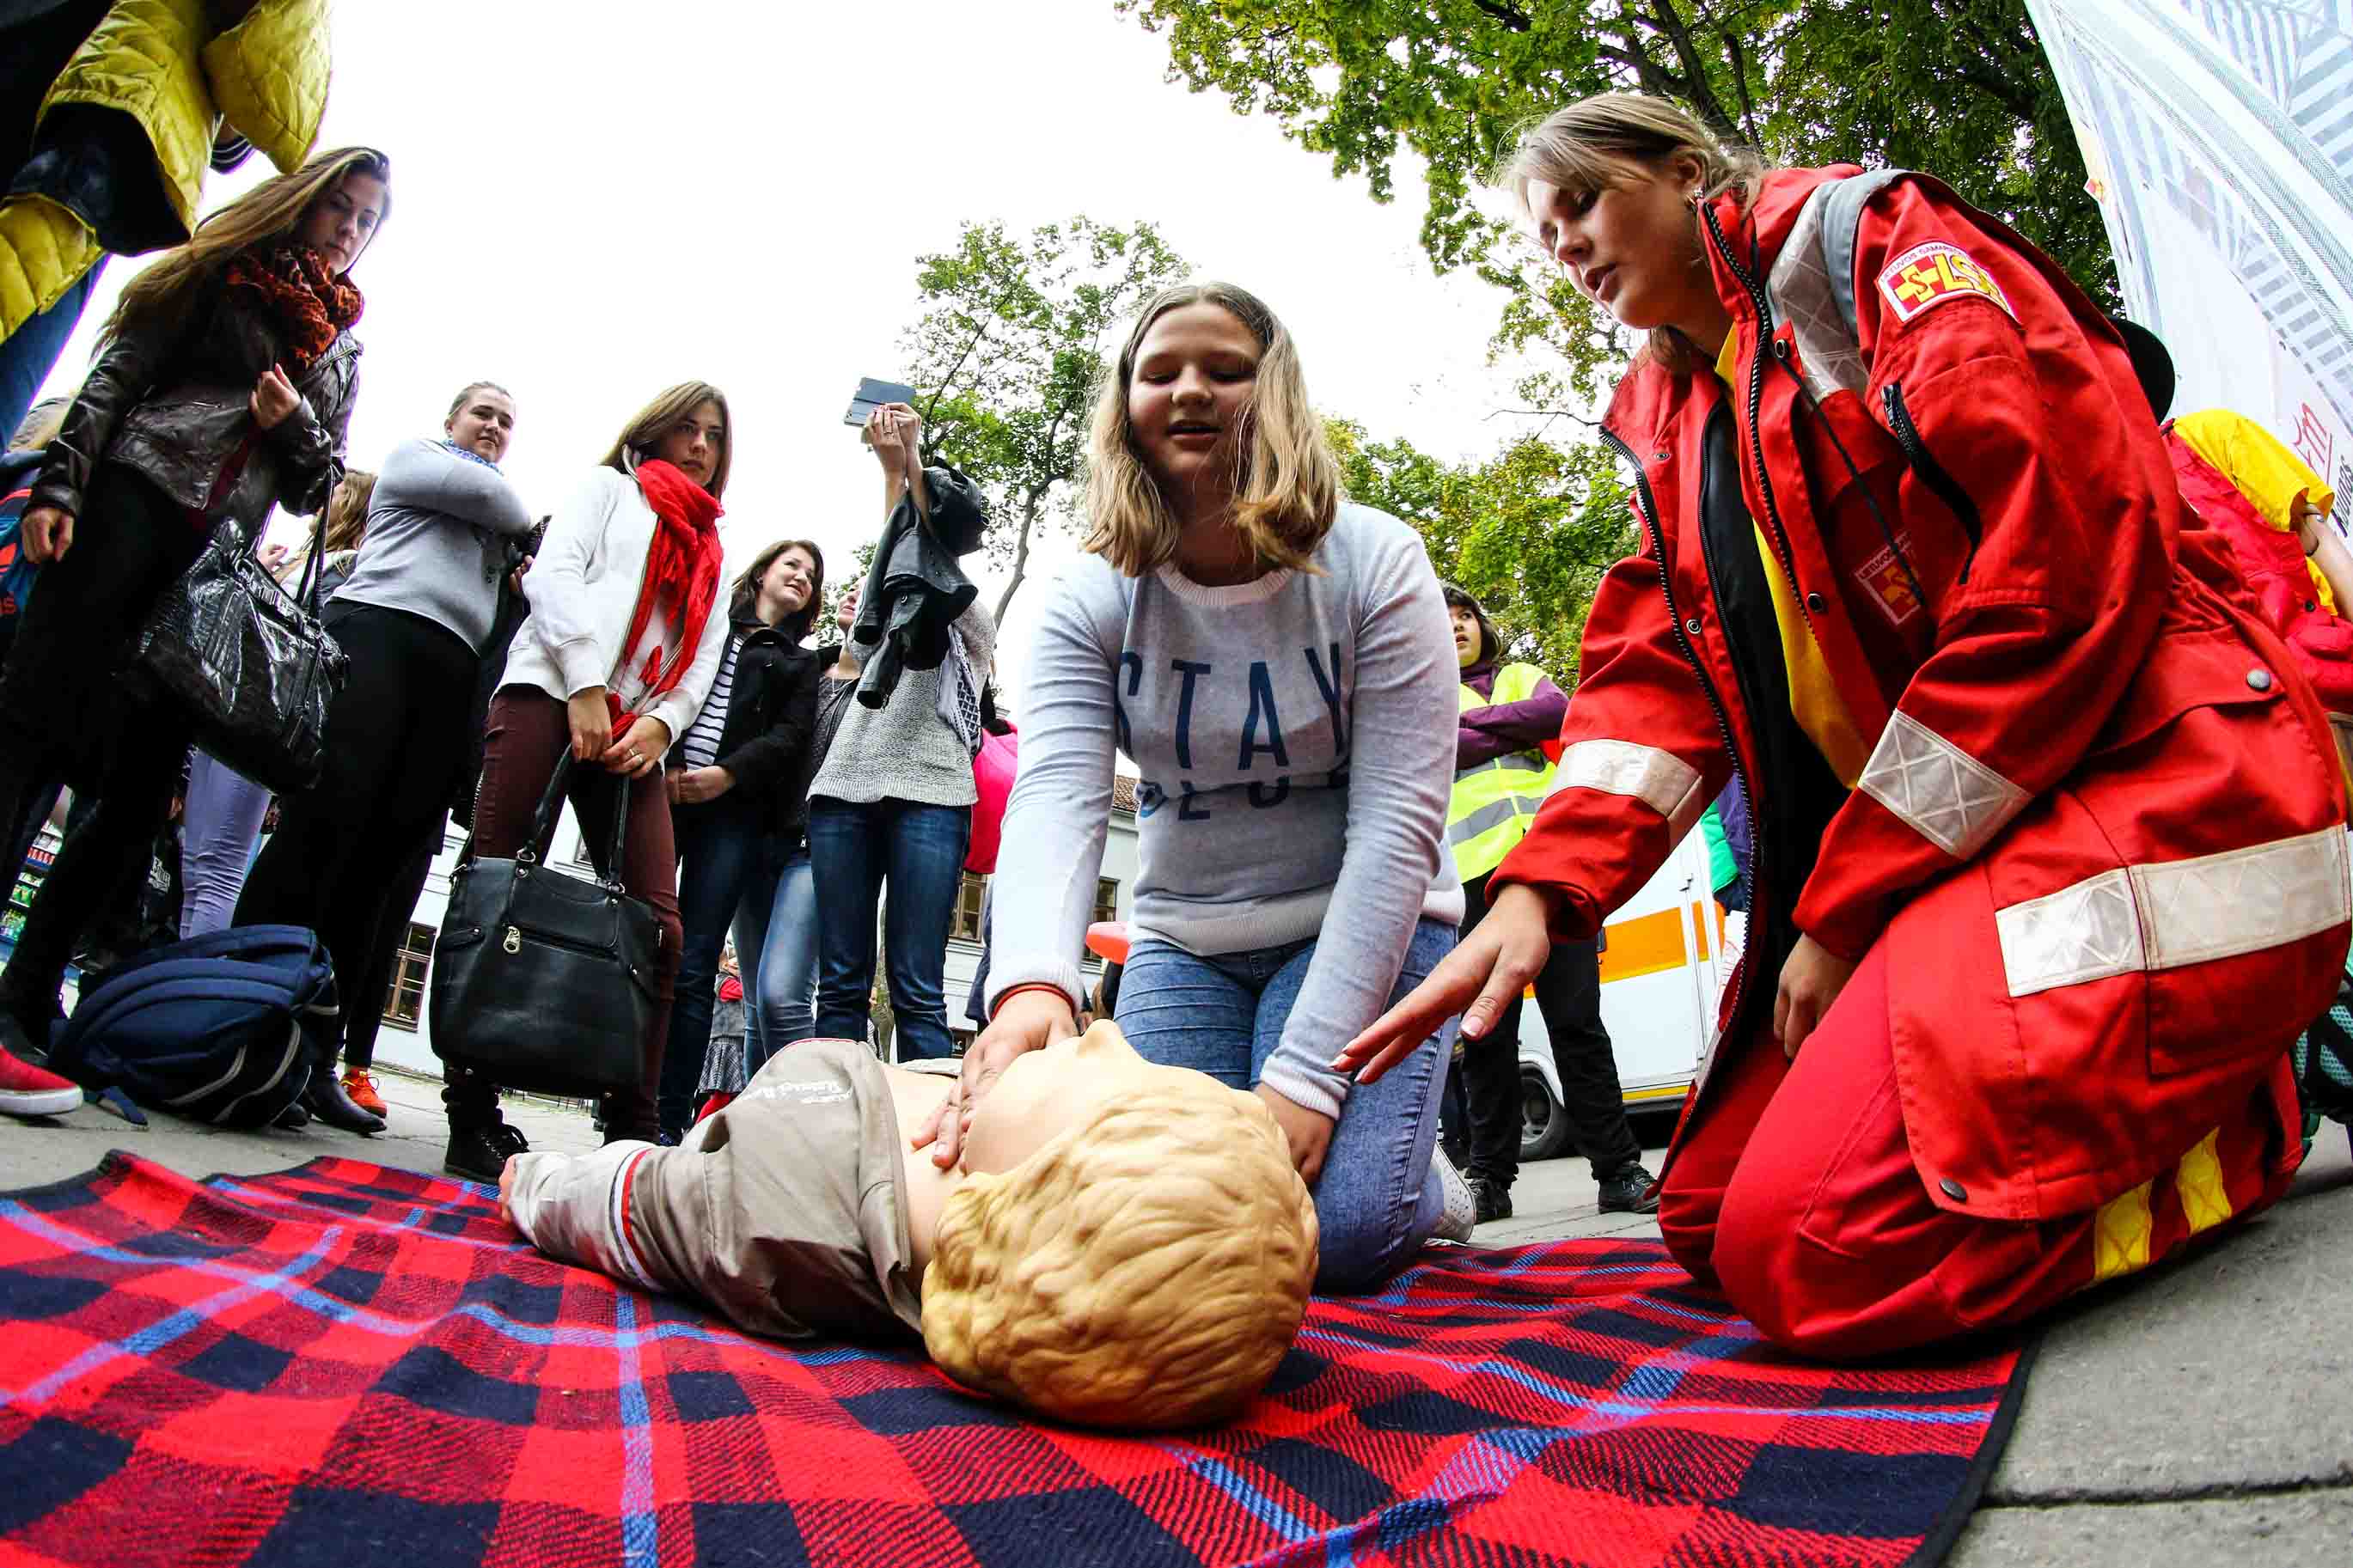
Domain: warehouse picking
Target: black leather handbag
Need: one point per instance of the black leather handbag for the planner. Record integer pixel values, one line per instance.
(544, 979)
(246, 662)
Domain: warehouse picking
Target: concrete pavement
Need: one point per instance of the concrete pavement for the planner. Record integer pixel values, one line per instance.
(2200, 1415)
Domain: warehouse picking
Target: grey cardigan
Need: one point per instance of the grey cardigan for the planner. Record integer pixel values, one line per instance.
(436, 542)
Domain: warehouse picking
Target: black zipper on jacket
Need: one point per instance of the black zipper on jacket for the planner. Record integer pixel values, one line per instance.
(1764, 309)
(1647, 505)
(1932, 473)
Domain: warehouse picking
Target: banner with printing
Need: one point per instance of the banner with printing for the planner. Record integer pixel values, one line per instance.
(2219, 136)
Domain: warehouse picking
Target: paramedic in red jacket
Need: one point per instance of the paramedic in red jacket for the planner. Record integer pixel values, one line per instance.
(2050, 850)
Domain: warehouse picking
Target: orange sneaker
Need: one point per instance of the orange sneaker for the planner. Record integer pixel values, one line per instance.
(360, 1090)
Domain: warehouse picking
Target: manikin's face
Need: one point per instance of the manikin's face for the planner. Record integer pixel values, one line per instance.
(1046, 1093)
(694, 443)
(1634, 250)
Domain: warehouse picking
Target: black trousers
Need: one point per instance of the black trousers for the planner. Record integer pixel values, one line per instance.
(1568, 991)
(62, 711)
(395, 743)
(364, 1008)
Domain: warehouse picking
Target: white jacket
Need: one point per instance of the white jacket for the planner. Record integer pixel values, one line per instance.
(583, 588)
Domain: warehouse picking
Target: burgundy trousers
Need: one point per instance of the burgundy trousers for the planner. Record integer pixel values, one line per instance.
(527, 735)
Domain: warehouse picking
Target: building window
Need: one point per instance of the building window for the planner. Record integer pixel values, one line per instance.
(970, 892)
(402, 1008)
(1107, 898)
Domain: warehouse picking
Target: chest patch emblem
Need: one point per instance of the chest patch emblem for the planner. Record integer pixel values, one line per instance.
(1933, 273)
(1884, 578)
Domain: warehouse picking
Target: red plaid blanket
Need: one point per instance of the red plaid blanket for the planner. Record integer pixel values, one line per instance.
(349, 1366)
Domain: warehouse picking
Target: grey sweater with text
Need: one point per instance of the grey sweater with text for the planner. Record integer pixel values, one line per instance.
(1296, 741)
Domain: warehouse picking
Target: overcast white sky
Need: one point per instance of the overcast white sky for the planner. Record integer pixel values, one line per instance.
(592, 201)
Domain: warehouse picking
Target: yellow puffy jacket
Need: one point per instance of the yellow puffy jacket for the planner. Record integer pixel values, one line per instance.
(150, 59)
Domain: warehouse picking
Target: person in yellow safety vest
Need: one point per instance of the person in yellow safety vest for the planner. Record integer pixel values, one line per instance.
(1508, 712)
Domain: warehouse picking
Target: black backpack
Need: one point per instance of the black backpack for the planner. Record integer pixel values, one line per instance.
(221, 1029)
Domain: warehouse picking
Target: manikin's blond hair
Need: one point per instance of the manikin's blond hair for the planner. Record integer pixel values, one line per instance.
(1148, 1269)
(1610, 140)
(1287, 488)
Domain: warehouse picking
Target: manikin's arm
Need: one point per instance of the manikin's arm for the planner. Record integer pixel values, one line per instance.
(568, 1206)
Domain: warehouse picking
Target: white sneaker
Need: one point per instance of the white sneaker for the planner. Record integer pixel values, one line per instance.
(1459, 1209)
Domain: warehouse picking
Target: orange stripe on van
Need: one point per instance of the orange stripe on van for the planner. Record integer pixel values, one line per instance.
(1644, 945)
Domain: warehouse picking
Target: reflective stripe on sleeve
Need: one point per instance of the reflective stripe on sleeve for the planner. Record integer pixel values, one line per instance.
(616, 1219)
(2176, 912)
(1659, 780)
(1491, 816)
(1942, 792)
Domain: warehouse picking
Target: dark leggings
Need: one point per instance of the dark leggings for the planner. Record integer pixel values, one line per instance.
(364, 1008)
(395, 741)
(61, 710)
(528, 735)
(1568, 991)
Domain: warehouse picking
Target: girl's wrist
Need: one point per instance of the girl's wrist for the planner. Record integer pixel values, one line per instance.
(1027, 986)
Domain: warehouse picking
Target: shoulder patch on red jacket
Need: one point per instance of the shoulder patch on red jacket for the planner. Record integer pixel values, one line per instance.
(1933, 273)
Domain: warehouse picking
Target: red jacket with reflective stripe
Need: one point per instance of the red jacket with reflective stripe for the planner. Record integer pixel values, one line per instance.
(2072, 701)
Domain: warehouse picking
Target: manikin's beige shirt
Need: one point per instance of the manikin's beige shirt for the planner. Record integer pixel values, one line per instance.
(784, 1211)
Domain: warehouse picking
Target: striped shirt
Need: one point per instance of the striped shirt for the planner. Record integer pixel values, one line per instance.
(703, 736)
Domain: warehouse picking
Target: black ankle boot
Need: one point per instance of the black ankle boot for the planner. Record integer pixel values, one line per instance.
(326, 1101)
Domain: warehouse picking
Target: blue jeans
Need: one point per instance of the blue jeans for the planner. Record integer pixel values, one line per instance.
(30, 352)
(775, 947)
(919, 849)
(218, 827)
(1377, 1199)
(719, 842)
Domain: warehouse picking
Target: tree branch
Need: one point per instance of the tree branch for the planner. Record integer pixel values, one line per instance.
(1516, 21)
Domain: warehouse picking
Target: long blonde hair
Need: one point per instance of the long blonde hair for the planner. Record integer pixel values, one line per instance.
(649, 424)
(347, 513)
(1287, 491)
(160, 295)
(1609, 141)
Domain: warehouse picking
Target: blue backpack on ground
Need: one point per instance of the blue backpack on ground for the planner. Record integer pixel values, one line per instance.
(221, 1029)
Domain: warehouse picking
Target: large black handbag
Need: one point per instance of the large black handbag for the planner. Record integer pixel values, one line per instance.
(544, 979)
(247, 662)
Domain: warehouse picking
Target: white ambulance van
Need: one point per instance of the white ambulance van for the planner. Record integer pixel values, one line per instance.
(1660, 977)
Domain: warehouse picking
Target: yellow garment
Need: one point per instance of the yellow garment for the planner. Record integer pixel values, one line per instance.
(1814, 700)
(2124, 1225)
(1495, 801)
(2271, 477)
(149, 59)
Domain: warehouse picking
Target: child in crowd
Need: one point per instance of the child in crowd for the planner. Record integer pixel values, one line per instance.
(1277, 663)
(1123, 1244)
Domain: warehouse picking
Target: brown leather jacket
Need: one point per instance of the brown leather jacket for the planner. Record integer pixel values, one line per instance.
(173, 406)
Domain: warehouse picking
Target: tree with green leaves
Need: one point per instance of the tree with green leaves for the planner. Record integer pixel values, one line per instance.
(1006, 356)
(1529, 532)
(1959, 88)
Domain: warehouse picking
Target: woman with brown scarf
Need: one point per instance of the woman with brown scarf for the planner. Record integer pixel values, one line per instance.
(224, 381)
